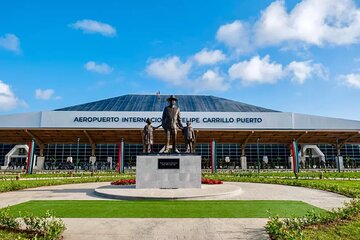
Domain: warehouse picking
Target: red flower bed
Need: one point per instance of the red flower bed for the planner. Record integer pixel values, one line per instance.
(124, 182)
(210, 181)
(133, 181)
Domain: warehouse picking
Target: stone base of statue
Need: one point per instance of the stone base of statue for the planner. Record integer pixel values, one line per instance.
(168, 171)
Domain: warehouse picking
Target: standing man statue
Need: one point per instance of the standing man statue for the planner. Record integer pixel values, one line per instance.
(189, 137)
(171, 121)
(148, 136)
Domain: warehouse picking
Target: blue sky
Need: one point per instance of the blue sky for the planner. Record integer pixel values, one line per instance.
(292, 56)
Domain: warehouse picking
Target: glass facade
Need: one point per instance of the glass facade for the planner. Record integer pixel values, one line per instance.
(277, 155)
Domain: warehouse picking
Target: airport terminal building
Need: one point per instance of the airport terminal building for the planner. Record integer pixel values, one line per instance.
(104, 131)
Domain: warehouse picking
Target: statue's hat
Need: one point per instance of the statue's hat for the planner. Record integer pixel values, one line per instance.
(172, 97)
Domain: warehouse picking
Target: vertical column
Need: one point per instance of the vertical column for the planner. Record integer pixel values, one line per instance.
(121, 157)
(213, 156)
(290, 158)
(302, 155)
(30, 157)
(339, 158)
(243, 157)
(40, 159)
(257, 153)
(92, 158)
(77, 154)
(42, 150)
(93, 148)
(295, 157)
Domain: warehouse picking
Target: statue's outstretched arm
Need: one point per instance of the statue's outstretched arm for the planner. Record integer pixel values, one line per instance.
(157, 127)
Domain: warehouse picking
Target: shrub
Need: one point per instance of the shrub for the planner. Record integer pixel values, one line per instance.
(7, 220)
(292, 228)
(52, 227)
(48, 227)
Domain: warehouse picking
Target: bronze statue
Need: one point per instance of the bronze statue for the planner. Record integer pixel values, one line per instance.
(189, 137)
(148, 136)
(171, 121)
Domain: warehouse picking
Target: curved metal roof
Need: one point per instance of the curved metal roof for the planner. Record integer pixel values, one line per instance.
(156, 103)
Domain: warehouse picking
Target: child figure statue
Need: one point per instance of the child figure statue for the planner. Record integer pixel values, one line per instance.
(189, 137)
(148, 134)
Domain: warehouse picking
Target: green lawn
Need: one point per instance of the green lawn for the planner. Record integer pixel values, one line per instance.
(302, 174)
(165, 209)
(13, 185)
(349, 230)
(62, 174)
(350, 188)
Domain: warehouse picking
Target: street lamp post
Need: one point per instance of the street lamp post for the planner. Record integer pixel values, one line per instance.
(258, 158)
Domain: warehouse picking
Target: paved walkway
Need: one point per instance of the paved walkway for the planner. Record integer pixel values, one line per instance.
(145, 228)
(165, 229)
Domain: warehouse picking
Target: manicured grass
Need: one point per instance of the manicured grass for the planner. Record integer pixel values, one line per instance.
(165, 209)
(62, 174)
(345, 187)
(13, 185)
(304, 174)
(349, 230)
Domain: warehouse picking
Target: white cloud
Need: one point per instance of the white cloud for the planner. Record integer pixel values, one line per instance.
(208, 57)
(313, 22)
(92, 26)
(234, 35)
(170, 69)
(301, 71)
(177, 73)
(10, 42)
(8, 100)
(256, 70)
(101, 68)
(211, 80)
(310, 22)
(351, 80)
(45, 94)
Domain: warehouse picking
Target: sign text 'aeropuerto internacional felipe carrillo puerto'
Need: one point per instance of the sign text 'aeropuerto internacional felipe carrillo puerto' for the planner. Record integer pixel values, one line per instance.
(200, 120)
(158, 120)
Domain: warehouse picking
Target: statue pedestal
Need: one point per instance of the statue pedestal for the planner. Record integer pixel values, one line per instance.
(168, 171)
